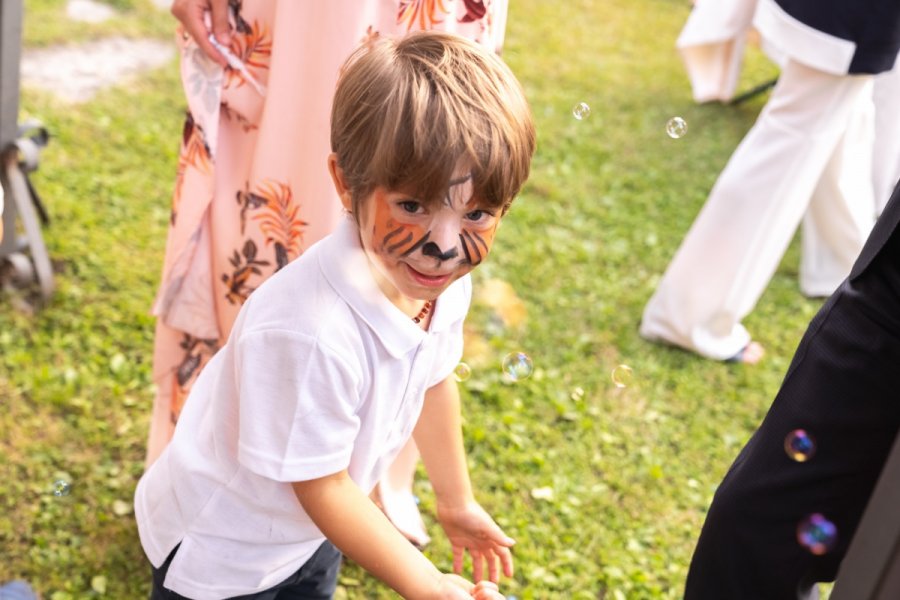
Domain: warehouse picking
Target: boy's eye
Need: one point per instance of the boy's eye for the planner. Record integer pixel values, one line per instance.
(478, 215)
(409, 206)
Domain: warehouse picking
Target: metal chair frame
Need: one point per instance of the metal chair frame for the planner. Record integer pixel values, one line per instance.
(871, 568)
(22, 252)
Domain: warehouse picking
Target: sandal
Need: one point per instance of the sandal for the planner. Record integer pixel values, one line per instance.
(750, 354)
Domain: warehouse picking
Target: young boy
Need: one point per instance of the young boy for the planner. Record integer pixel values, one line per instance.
(348, 350)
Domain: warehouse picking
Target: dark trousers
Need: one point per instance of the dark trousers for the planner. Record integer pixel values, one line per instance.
(315, 580)
(842, 388)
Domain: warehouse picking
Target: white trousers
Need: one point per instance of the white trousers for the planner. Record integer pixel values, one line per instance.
(807, 158)
(711, 44)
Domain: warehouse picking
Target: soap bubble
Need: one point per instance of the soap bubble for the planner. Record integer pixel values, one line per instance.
(462, 372)
(621, 376)
(817, 534)
(799, 445)
(61, 487)
(581, 111)
(676, 127)
(517, 366)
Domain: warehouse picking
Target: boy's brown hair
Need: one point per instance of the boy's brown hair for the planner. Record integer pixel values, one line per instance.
(407, 113)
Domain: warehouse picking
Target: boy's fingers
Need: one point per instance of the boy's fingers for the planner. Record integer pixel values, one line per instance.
(487, 585)
(496, 534)
(462, 583)
(493, 568)
(506, 560)
(460, 594)
(486, 590)
(477, 565)
(458, 555)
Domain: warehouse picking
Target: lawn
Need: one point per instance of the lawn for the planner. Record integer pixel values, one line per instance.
(603, 487)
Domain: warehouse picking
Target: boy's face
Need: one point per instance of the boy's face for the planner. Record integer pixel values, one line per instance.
(420, 248)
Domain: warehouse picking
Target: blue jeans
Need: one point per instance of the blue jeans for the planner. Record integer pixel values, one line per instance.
(315, 580)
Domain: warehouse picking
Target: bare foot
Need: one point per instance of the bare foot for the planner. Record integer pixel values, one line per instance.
(750, 354)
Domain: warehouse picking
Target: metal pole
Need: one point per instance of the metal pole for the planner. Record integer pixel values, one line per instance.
(10, 49)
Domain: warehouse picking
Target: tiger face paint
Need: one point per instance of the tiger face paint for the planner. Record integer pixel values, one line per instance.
(420, 248)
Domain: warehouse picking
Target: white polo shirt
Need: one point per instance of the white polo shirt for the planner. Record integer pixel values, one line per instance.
(321, 373)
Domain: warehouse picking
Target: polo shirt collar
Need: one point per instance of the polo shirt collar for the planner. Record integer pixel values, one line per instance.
(344, 265)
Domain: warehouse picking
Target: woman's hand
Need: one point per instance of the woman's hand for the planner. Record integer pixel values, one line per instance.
(192, 15)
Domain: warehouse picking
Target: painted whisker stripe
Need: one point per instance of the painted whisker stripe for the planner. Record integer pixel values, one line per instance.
(388, 237)
(475, 249)
(480, 239)
(465, 247)
(418, 244)
(401, 243)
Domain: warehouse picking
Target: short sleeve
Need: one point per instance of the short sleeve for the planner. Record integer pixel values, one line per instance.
(298, 406)
(448, 354)
(450, 342)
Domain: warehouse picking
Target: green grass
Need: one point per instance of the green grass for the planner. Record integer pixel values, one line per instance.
(46, 23)
(609, 200)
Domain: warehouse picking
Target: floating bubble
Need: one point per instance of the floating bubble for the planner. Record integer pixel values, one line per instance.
(799, 445)
(517, 366)
(676, 127)
(817, 534)
(621, 376)
(61, 487)
(462, 372)
(581, 111)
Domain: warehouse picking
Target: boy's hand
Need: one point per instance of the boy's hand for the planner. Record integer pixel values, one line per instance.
(486, 590)
(453, 587)
(470, 528)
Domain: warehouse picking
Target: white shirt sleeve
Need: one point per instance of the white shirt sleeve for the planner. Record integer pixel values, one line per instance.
(298, 406)
(451, 344)
(449, 354)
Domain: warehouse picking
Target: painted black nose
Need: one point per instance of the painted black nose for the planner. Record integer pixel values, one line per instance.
(431, 249)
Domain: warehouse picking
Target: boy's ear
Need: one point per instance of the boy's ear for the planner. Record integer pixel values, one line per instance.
(340, 185)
